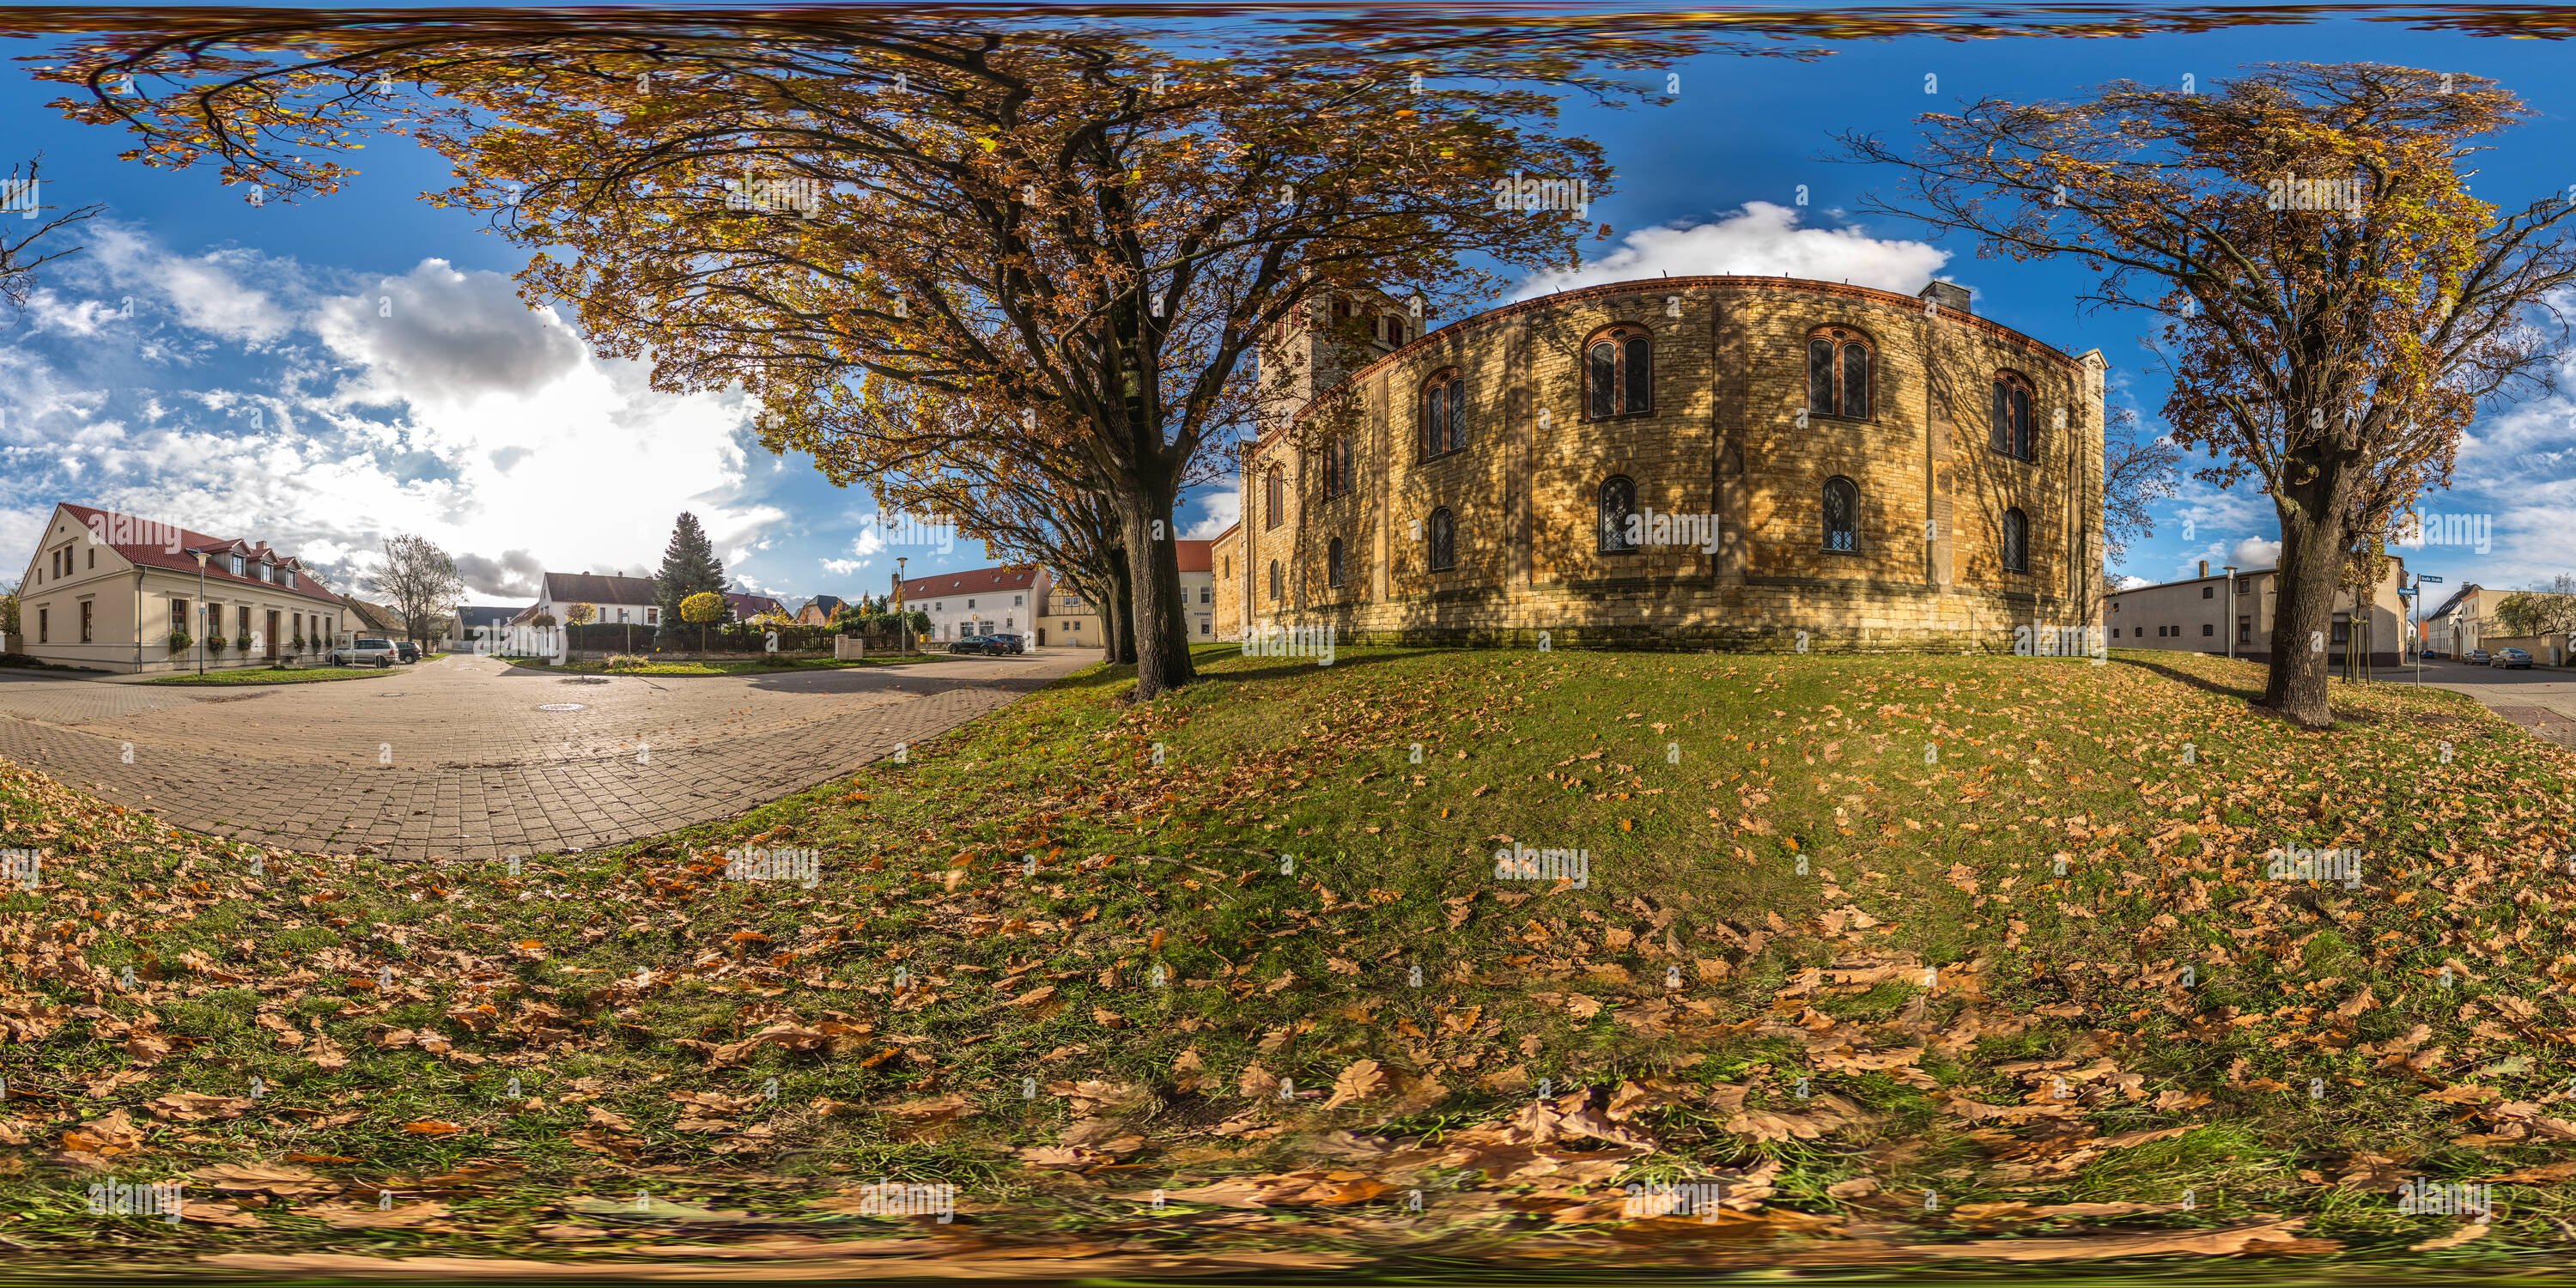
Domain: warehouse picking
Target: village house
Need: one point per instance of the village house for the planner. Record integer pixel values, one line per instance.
(114, 592)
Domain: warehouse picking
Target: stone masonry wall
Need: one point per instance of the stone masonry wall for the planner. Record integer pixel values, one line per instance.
(1722, 438)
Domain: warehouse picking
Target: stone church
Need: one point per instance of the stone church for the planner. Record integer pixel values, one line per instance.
(1689, 462)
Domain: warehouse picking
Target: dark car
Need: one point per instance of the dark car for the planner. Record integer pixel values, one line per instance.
(407, 650)
(1007, 644)
(2475, 657)
(2506, 659)
(970, 644)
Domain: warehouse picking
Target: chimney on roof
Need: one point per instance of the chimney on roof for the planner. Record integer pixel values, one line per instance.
(1949, 295)
(2204, 567)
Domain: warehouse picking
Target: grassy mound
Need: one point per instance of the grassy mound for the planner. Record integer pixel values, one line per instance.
(1908, 958)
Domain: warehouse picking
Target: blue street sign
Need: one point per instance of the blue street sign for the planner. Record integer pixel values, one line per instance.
(2421, 578)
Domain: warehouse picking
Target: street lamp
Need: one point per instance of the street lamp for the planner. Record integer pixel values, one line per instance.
(201, 610)
(2229, 625)
(903, 615)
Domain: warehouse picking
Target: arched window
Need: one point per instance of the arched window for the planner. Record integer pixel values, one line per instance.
(1276, 583)
(1842, 515)
(2016, 542)
(1337, 466)
(1619, 373)
(1838, 373)
(1273, 496)
(1333, 562)
(2012, 416)
(1444, 414)
(1440, 533)
(1618, 507)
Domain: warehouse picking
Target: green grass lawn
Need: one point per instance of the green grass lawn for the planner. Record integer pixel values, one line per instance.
(1903, 950)
(287, 674)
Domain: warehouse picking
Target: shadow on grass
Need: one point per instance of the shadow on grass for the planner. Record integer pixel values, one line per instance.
(2201, 682)
(1281, 668)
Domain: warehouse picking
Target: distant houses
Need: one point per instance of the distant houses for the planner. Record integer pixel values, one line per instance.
(820, 610)
(746, 607)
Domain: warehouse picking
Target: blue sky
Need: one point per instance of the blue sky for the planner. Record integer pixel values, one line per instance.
(328, 374)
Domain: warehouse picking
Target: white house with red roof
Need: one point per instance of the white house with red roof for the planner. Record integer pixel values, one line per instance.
(114, 592)
(979, 601)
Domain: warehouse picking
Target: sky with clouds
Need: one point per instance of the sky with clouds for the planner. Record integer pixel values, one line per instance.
(332, 373)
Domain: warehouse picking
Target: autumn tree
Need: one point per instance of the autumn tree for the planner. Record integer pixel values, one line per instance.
(22, 195)
(1077, 231)
(2137, 469)
(2540, 610)
(2334, 304)
(419, 582)
(701, 608)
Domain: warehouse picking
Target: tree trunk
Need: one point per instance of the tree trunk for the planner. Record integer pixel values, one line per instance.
(1118, 640)
(2312, 559)
(1154, 571)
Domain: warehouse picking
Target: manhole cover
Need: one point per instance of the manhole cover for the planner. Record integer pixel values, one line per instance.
(561, 706)
(587, 679)
(389, 695)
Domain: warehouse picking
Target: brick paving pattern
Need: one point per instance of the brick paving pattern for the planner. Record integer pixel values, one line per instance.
(477, 770)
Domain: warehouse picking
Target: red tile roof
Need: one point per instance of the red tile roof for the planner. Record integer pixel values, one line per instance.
(1195, 557)
(1014, 577)
(151, 539)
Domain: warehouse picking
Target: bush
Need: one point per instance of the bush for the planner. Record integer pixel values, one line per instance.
(626, 661)
(181, 641)
(215, 644)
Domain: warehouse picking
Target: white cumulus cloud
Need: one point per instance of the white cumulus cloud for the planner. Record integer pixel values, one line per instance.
(2255, 552)
(1762, 239)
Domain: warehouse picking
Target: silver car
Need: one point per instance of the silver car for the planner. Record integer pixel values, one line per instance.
(365, 652)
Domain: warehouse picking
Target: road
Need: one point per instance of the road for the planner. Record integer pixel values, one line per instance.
(2543, 701)
(472, 758)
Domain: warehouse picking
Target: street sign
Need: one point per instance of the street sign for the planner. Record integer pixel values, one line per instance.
(2421, 578)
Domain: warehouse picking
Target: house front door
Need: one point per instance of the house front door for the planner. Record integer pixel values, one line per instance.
(272, 635)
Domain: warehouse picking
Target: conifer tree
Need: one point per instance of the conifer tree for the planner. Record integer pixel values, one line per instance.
(688, 567)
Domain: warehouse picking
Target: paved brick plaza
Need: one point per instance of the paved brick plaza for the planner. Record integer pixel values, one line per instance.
(478, 770)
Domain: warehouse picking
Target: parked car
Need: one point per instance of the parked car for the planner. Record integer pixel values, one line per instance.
(1008, 644)
(407, 650)
(365, 652)
(2475, 657)
(2508, 658)
(968, 644)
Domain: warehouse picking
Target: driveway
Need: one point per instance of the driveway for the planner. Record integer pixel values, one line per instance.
(2543, 701)
(462, 758)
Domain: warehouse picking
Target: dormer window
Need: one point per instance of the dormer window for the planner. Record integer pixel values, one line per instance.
(237, 565)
